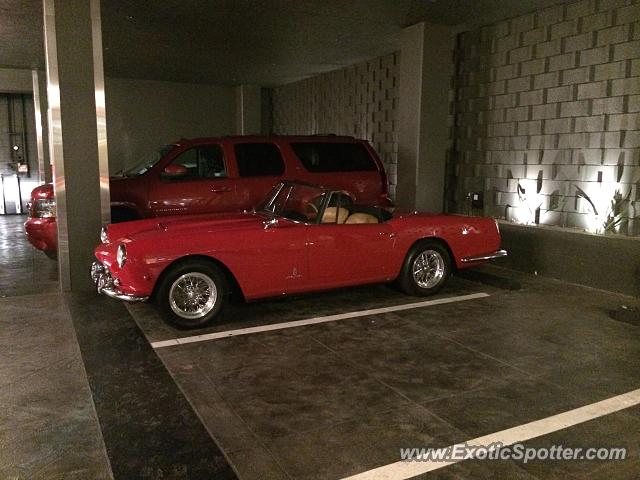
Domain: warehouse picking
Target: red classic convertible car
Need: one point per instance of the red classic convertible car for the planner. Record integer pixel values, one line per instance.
(301, 238)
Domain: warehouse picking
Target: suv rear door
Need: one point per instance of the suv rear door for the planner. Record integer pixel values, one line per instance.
(260, 166)
(343, 165)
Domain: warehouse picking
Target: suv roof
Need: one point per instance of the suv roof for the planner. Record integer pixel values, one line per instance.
(291, 138)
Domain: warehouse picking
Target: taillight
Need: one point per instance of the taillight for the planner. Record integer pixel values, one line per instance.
(44, 208)
(385, 182)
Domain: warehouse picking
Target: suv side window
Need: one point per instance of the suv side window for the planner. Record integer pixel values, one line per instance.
(258, 160)
(334, 157)
(203, 162)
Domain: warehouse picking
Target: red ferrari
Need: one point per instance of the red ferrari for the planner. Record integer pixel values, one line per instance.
(301, 238)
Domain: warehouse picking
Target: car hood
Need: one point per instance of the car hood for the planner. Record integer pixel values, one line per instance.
(184, 225)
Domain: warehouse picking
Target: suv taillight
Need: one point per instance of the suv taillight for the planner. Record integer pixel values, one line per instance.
(44, 208)
(385, 182)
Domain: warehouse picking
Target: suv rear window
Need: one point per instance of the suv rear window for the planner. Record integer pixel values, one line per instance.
(334, 157)
(258, 160)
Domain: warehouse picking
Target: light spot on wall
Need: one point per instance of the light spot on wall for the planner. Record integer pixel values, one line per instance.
(361, 100)
(547, 118)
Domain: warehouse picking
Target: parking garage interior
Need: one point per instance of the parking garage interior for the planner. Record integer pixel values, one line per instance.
(527, 112)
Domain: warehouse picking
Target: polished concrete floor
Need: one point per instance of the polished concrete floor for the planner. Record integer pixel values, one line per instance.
(48, 424)
(335, 399)
(23, 269)
(89, 392)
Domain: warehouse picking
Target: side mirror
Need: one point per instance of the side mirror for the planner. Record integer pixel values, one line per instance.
(270, 222)
(174, 171)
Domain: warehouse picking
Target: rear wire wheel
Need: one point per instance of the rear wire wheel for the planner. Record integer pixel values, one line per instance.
(426, 269)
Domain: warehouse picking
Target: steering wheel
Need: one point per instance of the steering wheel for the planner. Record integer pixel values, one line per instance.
(312, 206)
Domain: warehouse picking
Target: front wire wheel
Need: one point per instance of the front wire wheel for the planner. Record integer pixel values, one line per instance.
(192, 294)
(426, 269)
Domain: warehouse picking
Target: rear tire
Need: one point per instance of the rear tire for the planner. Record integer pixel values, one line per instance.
(426, 269)
(192, 294)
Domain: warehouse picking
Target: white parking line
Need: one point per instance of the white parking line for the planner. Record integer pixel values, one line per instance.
(409, 469)
(312, 321)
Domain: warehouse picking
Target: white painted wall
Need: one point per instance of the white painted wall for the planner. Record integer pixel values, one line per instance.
(144, 114)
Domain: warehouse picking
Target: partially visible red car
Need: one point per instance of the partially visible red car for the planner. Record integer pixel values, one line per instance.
(230, 174)
(41, 228)
(301, 238)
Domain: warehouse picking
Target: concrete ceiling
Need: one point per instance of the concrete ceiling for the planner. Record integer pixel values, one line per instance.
(263, 42)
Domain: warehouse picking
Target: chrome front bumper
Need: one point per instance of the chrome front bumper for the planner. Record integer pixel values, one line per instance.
(105, 284)
(484, 258)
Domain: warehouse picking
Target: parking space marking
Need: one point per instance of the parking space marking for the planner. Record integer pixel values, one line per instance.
(408, 469)
(313, 321)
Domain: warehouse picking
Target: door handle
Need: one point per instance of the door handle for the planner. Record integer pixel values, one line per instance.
(220, 189)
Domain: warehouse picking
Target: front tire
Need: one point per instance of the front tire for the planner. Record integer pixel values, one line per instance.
(426, 269)
(192, 294)
(51, 254)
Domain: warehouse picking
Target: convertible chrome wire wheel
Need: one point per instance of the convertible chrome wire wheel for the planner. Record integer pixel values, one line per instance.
(193, 295)
(428, 269)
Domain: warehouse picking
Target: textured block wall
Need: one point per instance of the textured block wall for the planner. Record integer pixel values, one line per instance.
(547, 117)
(361, 100)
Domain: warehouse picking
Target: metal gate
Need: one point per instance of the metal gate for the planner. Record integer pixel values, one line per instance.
(17, 141)
(11, 200)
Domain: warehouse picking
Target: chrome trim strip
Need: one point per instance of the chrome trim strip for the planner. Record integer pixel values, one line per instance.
(109, 292)
(42, 167)
(489, 256)
(101, 111)
(56, 152)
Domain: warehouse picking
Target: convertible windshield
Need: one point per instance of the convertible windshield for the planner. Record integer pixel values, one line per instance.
(300, 203)
(148, 162)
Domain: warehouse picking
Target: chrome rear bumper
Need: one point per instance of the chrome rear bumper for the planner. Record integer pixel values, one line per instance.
(483, 258)
(105, 284)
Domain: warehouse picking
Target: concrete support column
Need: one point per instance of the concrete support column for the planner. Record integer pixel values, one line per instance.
(77, 133)
(426, 68)
(248, 110)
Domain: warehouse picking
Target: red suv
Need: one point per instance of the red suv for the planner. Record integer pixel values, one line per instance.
(210, 175)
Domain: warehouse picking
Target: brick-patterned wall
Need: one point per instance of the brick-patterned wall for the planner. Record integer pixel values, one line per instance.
(361, 100)
(547, 117)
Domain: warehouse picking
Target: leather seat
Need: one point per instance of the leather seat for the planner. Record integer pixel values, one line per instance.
(329, 215)
(362, 218)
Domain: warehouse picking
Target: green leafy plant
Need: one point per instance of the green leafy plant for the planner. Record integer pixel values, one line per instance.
(615, 215)
(618, 212)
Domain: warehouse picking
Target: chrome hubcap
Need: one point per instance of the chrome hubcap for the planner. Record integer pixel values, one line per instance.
(428, 269)
(193, 295)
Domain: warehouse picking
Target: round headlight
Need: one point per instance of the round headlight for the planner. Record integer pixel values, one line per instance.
(104, 238)
(121, 255)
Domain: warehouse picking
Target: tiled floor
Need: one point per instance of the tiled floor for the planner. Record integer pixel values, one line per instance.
(82, 394)
(23, 269)
(48, 424)
(335, 399)
(85, 395)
